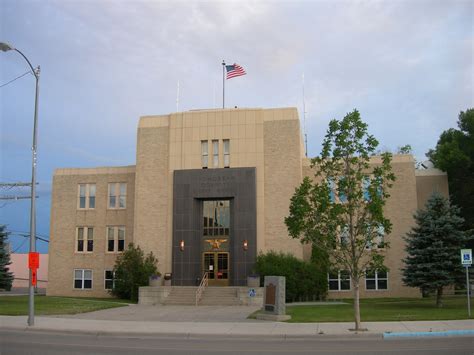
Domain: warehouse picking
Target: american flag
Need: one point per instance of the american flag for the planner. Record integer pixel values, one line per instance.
(234, 70)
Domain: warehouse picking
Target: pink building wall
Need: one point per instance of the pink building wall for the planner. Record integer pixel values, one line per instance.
(19, 267)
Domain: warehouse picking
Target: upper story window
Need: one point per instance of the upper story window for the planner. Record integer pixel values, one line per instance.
(226, 153)
(377, 236)
(204, 154)
(86, 196)
(115, 239)
(117, 195)
(215, 153)
(216, 218)
(84, 240)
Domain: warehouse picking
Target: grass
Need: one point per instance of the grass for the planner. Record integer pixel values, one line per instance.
(382, 309)
(49, 305)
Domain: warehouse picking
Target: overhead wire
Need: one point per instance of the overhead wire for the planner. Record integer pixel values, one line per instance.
(18, 77)
(18, 248)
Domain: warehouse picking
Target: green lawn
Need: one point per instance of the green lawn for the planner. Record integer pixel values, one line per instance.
(47, 305)
(381, 309)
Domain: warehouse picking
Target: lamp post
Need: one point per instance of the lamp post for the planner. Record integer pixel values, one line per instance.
(5, 47)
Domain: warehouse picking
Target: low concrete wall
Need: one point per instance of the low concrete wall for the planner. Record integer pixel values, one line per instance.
(156, 295)
(246, 300)
(153, 295)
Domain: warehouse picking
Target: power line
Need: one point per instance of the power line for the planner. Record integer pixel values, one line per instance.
(27, 235)
(11, 185)
(18, 77)
(14, 251)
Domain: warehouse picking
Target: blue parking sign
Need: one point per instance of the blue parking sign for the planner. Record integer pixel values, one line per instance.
(466, 257)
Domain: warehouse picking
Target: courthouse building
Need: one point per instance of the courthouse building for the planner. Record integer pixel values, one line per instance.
(209, 191)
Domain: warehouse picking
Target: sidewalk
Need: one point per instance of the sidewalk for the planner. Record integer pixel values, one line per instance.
(236, 328)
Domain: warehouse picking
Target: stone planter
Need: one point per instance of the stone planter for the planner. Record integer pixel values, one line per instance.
(154, 280)
(253, 281)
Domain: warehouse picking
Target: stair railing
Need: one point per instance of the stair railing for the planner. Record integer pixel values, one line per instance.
(204, 283)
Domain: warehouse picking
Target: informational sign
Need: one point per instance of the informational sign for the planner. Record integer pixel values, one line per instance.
(466, 257)
(252, 292)
(33, 277)
(33, 260)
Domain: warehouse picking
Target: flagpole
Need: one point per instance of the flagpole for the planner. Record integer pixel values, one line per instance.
(177, 97)
(304, 123)
(223, 84)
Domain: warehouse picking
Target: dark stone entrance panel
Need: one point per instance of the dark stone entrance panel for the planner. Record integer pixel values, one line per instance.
(190, 188)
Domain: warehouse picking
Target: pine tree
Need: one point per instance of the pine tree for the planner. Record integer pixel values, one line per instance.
(433, 247)
(6, 277)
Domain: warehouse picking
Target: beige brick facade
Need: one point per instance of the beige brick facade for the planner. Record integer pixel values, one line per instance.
(268, 140)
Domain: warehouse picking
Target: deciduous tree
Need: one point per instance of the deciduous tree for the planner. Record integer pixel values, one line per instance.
(454, 153)
(340, 210)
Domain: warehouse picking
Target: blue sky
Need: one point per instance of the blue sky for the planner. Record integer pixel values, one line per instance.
(407, 66)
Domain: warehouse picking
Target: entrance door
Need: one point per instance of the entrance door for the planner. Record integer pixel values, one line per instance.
(217, 266)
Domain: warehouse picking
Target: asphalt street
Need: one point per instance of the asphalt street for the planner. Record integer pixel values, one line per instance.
(38, 343)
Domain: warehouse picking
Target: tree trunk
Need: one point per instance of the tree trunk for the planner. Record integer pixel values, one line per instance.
(356, 306)
(439, 294)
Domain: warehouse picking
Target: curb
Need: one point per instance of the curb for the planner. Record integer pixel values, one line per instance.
(187, 335)
(446, 333)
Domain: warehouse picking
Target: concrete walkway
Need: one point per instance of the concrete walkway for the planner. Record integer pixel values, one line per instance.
(192, 321)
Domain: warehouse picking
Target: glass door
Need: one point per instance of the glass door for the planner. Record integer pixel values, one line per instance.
(217, 266)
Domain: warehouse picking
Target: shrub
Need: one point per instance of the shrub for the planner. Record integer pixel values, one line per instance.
(132, 270)
(304, 280)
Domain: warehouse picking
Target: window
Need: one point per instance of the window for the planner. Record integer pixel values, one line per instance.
(376, 280)
(204, 154)
(216, 218)
(365, 188)
(109, 280)
(215, 153)
(342, 187)
(376, 183)
(331, 187)
(86, 196)
(117, 195)
(339, 281)
(82, 279)
(84, 239)
(115, 239)
(377, 236)
(226, 153)
(344, 236)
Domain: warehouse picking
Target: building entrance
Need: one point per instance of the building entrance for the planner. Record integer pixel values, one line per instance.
(217, 266)
(215, 241)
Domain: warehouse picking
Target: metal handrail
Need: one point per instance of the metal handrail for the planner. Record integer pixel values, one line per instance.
(204, 283)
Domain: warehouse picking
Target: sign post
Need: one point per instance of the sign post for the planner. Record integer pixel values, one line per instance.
(466, 260)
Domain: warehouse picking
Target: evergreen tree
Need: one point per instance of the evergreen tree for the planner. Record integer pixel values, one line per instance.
(433, 247)
(6, 277)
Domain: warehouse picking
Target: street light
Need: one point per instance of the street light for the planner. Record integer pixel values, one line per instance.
(5, 47)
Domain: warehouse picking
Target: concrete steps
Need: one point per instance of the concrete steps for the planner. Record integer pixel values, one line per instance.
(181, 295)
(212, 296)
(220, 296)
